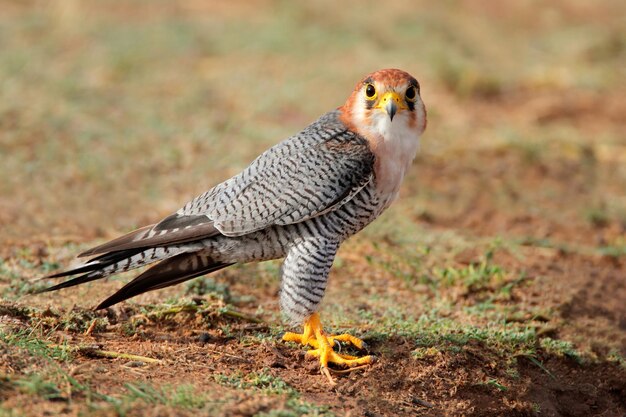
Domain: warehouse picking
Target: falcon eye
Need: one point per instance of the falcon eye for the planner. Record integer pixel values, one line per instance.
(370, 92)
(410, 93)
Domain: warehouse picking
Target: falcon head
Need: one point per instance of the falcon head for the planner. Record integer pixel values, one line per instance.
(384, 103)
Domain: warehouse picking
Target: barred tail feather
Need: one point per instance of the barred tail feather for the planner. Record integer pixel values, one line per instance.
(112, 263)
(98, 263)
(172, 271)
(91, 276)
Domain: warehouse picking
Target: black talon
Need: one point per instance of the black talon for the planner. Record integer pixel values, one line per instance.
(338, 343)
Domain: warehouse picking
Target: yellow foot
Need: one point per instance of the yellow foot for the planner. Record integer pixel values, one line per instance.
(314, 336)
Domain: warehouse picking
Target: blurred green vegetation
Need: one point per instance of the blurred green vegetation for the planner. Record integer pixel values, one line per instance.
(114, 114)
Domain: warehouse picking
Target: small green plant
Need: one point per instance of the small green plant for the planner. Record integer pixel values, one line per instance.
(494, 383)
(264, 381)
(615, 356)
(424, 352)
(269, 384)
(37, 385)
(11, 273)
(27, 339)
(560, 348)
(474, 276)
(207, 285)
(183, 396)
(614, 251)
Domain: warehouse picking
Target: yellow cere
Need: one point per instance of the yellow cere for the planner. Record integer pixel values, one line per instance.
(391, 96)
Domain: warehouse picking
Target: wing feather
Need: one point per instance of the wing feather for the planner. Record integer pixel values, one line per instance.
(305, 176)
(152, 235)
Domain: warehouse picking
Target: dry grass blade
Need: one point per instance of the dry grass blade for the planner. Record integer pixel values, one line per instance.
(349, 370)
(88, 351)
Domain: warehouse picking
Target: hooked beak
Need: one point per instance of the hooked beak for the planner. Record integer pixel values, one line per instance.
(391, 102)
(391, 109)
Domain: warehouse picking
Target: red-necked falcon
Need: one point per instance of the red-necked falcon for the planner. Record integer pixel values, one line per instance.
(299, 200)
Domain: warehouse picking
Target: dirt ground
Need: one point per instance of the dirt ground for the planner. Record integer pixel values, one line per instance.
(495, 286)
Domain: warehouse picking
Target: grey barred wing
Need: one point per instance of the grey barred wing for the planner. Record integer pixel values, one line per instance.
(302, 177)
(297, 187)
(292, 182)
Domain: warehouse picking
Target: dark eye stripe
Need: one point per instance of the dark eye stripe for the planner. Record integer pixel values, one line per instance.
(415, 84)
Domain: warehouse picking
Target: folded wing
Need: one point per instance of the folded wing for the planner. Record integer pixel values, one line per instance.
(302, 177)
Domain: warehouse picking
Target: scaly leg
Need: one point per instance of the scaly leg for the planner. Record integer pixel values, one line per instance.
(314, 336)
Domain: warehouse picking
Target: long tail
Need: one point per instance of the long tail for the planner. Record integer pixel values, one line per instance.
(172, 271)
(177, 266)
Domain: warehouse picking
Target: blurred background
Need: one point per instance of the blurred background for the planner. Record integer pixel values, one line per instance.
(493, 286)
(112, 114)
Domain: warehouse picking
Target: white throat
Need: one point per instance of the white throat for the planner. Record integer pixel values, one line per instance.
(395, 144)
